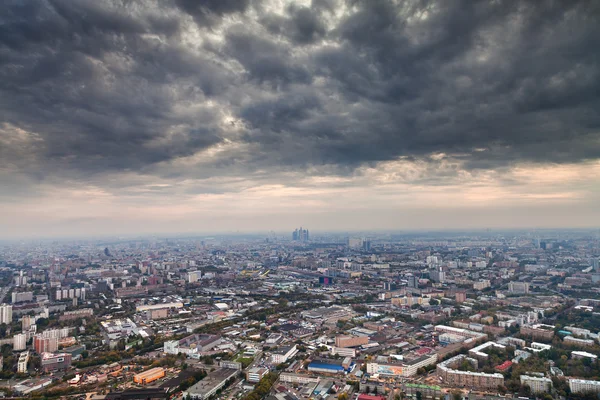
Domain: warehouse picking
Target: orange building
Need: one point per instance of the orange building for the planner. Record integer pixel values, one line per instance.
(149, 376)
(351, 341)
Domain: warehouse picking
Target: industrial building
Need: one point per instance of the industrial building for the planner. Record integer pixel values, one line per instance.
(209, 386)
(148, 376)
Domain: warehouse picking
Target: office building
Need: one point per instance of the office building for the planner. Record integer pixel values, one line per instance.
(300, 235)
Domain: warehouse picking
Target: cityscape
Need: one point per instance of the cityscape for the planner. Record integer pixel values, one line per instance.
(473, 315)
(299, 200)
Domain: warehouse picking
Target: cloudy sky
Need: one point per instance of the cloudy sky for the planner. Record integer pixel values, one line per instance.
(223, 115)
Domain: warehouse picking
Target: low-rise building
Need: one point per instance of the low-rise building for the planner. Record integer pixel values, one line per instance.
(209, 386)
(255, 374)
(584, 386)
(149, 376)
(283, 354)
(55, 361)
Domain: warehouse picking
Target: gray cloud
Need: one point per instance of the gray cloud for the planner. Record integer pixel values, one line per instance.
(135, 86)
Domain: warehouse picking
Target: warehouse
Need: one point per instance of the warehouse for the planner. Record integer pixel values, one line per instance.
(151, 375)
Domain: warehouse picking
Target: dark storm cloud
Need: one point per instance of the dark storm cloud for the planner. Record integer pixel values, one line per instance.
(102, 86)
(210, 12)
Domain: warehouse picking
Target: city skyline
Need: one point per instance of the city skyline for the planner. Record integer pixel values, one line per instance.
(180, 117)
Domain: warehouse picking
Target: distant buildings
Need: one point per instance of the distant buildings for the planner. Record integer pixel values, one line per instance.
(482, 284)
(518, 287)
(300, 235)
(21, 297)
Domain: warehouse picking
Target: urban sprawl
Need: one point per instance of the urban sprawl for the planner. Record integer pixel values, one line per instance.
(378, 316)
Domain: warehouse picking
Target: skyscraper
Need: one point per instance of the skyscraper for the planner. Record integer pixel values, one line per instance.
(300, 235)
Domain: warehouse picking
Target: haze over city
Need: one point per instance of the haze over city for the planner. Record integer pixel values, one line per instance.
(137, 117)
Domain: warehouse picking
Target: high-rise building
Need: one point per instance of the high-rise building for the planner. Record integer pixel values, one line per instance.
(438, 275)
(595, 262)
(22, 363)
(19, 342)
(5, 314)
(300, 235)
(45, 344)
(460, 296)
(26, 322)
(412, 281)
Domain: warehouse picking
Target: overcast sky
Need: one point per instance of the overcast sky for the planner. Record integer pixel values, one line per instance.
(222, 115)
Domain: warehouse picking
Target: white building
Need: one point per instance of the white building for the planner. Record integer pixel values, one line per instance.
(19, 342)
(584, 386)
(5, 314)
(537, 384)
(22, 363)
(283, 354)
